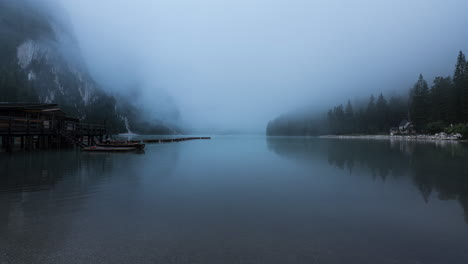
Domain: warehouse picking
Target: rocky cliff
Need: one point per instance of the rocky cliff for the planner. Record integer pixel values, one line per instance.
(41, 61)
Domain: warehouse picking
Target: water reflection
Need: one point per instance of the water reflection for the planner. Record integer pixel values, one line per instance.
(433, 167)
(230, 200)
(44, 196)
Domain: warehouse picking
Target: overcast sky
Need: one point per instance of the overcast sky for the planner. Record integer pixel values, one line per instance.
(236, 64)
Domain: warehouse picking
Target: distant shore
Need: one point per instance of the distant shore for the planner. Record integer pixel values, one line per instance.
(421, 137)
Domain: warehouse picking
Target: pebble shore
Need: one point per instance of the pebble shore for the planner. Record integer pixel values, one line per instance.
(436, 137)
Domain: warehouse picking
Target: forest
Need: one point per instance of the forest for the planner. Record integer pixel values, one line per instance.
(441, 107)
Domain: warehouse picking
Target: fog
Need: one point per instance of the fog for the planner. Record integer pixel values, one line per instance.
(236, 64)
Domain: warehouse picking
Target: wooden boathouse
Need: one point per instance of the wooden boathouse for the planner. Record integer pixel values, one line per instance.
(36, 125)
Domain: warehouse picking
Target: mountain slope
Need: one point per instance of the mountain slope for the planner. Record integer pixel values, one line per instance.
(41, 61)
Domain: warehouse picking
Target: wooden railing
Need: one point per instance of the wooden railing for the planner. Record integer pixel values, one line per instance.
(24, 126)
(83, 129)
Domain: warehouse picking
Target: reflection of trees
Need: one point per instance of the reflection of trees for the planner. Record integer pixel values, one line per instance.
(433, 167)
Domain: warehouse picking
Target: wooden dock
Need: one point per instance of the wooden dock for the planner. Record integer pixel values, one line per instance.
(32, 126)
(41, 126)
(43, 134)
(168, 140)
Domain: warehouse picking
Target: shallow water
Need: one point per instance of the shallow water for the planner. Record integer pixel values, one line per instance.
(238, 199)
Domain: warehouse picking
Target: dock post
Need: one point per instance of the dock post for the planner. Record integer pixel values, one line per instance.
(27, 143)
(43, 141)
(9, 147)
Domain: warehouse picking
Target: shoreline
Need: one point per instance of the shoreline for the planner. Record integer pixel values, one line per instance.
(437, 137)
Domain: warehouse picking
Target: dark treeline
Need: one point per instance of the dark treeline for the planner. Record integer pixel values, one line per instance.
(376, 117)
(441, 107)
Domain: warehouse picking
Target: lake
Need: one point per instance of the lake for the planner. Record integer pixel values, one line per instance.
(238, 199)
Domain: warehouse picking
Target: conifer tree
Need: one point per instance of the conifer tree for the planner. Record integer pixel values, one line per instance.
(442, 109)
(371, 116)
(464, 87)
(349, 116)
(382, 113)
(460, 96)
(420, 103)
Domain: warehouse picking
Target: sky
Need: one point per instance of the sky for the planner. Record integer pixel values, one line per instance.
(236, 64)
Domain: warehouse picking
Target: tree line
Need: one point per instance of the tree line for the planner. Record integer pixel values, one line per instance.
(430, 109)
(442, 106)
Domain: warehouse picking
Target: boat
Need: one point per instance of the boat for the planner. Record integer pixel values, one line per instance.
(110, 149)
(121, 145)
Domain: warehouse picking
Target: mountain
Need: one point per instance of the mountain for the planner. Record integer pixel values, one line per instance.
(40, 61)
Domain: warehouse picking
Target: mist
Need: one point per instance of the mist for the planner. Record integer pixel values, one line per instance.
(233, 65)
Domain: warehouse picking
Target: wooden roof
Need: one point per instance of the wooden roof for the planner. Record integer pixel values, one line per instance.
(36, 108)
(30, 107)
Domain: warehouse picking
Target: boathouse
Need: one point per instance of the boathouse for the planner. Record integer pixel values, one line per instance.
(37, 125)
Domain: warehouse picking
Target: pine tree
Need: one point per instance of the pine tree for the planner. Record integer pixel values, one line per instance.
(371, 115)
(349, 116)
(362, 120)
(331, 122)
(382, 113)
(340, 119)
(349, 110)
(464, 93)
(420, 103)
(442, 109)
(398, 110)
(460, 95)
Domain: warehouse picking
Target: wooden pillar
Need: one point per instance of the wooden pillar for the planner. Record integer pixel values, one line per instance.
(9, 147)
(27, 143)
(31, 142)
(43, 142)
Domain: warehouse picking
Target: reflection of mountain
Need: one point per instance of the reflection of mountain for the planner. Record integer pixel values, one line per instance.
(440, 168)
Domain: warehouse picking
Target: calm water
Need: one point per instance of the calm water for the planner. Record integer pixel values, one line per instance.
(238, 200)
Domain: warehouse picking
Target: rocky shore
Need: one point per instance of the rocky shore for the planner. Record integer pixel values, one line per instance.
(437, 137)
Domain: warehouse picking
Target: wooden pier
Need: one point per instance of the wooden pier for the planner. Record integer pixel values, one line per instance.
(168, 140)
(42, 126)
